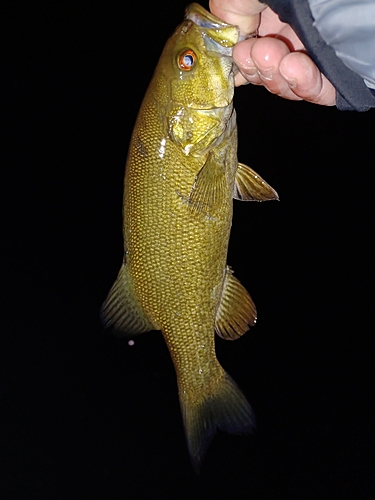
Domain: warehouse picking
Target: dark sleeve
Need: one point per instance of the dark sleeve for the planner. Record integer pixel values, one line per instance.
(352, 92)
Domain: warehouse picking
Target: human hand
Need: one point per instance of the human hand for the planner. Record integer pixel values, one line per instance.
(277, 59)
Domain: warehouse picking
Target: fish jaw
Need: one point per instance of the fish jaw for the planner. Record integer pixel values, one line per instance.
(219, 35)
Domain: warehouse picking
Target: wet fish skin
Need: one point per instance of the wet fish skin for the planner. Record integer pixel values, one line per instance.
(181, 176)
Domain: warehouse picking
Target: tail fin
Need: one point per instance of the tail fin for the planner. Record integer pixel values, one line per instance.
(227, 409)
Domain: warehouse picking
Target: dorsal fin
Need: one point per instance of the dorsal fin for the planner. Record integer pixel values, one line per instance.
(121, 310)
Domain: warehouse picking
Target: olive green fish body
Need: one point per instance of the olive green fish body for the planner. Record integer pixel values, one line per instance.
(177, 253)
(181, 176)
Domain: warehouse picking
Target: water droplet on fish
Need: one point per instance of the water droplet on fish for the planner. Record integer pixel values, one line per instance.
(162, 148)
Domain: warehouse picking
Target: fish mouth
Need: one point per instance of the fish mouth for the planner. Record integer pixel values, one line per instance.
(218, 36)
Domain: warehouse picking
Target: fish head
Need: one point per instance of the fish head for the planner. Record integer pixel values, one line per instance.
(198, 79)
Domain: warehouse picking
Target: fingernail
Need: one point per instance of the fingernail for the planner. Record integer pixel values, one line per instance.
(251, 71)
(266, 74)
(292, 82)
(246, 66)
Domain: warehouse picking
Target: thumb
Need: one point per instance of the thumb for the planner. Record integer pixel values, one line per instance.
(241, 13)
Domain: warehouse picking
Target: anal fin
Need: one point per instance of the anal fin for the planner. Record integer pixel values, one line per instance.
(237, 311)
(250, 186)
(121, 310)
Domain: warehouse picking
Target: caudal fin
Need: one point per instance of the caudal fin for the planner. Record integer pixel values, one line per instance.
(226, 409)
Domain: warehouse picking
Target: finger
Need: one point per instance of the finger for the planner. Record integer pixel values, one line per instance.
(242, 57)
(271, 24)
(241, 13)
(259, 62)
(306, 81)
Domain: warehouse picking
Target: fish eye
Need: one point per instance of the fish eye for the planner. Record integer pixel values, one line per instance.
(186, 60)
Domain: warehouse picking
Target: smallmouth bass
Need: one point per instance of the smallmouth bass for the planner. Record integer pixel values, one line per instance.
(182, 174)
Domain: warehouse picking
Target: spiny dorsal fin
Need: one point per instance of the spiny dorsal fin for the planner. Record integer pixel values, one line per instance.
(122, 311)
(237, 311)
(250, 186)
(208, 191)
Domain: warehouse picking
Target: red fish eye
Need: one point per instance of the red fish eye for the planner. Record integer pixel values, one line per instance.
(186, 60)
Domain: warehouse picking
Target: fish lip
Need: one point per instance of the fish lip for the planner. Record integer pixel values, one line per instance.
(201, 17)
(218, 36)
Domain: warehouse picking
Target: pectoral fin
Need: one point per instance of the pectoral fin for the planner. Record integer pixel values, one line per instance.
(250, 186)
(237, 311)
(121, 309)
(208, 191)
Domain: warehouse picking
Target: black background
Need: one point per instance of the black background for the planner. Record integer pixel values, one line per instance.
(88, 416)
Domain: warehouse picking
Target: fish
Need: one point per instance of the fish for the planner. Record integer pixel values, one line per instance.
(181, 177)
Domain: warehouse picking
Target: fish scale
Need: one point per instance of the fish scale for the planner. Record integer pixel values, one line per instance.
(181, 176)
